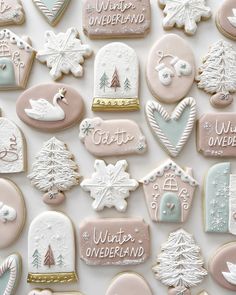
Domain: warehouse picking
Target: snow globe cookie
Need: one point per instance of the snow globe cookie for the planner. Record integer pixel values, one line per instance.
(169, 192)
(177, 271)
(54, 171)
(116, 79)
(226, 19)
(184, 14)
(51, 249)
(217, 74)
(50, 107)
(11, 12)
(170, 69)
(116, 19)
(222, 266)
(16, 58)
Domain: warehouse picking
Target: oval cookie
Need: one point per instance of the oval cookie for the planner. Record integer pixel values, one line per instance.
(50, 107)
(170, 69)
(12, 212)
(222, 266)
(226, 19)
(123, 283)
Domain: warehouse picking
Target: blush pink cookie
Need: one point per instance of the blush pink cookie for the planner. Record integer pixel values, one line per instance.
(112, 137)
(116, 18)
(11, 13)
(50, 107)
(50, 292)
(114, 241)
(170, 69)
(226, 19)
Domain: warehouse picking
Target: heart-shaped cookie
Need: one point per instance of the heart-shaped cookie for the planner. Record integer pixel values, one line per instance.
(10, 272)
(172, 130)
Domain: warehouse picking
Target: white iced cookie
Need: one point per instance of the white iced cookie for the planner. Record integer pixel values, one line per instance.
(64, 53)
(50, 292)
(11, 12)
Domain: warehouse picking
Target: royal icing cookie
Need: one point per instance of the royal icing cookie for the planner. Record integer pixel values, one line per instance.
(16, 58)
(169, 192)
(110, 185)
(116, 19)
(112, 137)
(10, 273)
(124, 282)
(11, 12)
(216, 135)
(54, 171)
(52, 9)
(64, 53)
(217, 74)
(12, 148)
(172, 131)
(203, 293)
(226, 19)
(12, 212)
(170, 68)
(184, 14)
(114, 241)
(180, 265)
(222, 266)
(51, 249)
(116, 78)
(50, 107)
(50, 292)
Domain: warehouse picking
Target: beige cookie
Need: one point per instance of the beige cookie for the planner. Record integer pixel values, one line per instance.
(226, 19)
(11, 12)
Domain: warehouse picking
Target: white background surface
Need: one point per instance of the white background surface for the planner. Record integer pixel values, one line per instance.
(95, 280)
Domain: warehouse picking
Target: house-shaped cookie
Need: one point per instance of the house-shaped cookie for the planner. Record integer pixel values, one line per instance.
(16, 58)
(169, 192)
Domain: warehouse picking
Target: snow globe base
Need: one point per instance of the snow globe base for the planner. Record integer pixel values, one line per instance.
(178, 291)
(221, 100)
(54, 198)
(115, 104)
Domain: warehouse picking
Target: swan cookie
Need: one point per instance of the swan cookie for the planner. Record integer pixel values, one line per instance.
(50, 107)
(11, 13)
(226, 19)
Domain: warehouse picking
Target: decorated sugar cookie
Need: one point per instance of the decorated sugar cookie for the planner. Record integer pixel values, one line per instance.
(169, 192)
(12, 212)
(222, 266)
(226, 19)
(50, 292)
(110, 185)
(112, 137)
(16, 58)
(64, 53)
(216, 135)
(203, 293)
(51, 249)
(50, 107)
(116, 19)
(126, 281)
(114, 241)
(116, 78)
(54, 171)
(180, 265)
(52, 10)
(170, 69)
(10, 274)
(184, 14)
(11, 12)
(217, 74)
(172, 131)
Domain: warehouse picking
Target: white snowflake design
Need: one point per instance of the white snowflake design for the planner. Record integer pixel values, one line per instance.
(184, 13)
(110, 185)
(64, 53)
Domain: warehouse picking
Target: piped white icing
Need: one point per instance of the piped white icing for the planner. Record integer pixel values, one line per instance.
(231, 275)
(232, 19)
(7, 213)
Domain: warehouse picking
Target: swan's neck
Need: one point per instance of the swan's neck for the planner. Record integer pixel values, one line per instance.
(55, 101)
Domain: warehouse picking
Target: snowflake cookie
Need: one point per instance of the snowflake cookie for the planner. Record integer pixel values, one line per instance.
(110, 185)
(64, 53)
(184, 14)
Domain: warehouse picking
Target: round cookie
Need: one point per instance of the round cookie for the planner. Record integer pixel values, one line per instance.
(170, 69)
(12, 212)
(226, 19)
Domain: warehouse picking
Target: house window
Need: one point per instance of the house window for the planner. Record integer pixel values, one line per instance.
(170, 183)
(4, 49)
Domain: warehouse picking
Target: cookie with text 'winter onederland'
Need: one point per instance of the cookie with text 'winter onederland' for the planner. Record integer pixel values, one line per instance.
(11, 12)
(116, 78)
(115, 19)
(169, 192)
(226, 19)
(124, 282)
(51, 249)
(112, 137)
(50, 292)
(50, 107)
(170, 68)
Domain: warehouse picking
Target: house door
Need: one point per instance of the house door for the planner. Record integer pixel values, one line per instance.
(7, 72)
(170, 208)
